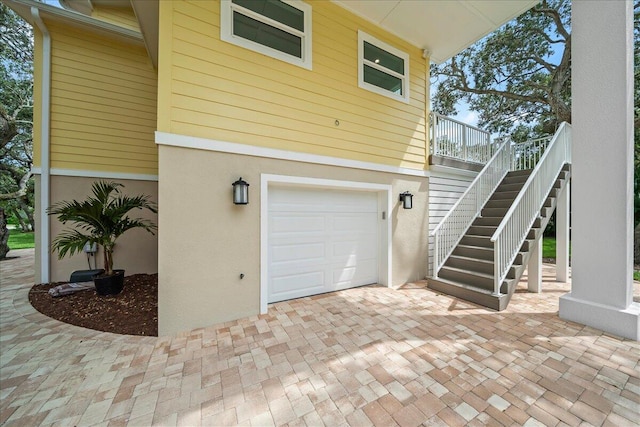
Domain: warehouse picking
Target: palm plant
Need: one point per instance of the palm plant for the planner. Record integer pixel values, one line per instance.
(100, 219)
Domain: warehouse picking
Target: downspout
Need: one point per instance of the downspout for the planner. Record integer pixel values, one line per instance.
(45, 166)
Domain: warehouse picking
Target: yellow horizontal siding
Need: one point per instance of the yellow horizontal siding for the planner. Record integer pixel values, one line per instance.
(103, 164)
(320, 112)
(220, 91)
(121, 16)
(86, 97)
(262, 113)
(103, 104)
(92, 140)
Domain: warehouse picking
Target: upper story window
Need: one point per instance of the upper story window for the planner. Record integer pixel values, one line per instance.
(277, 28)
(382, 68)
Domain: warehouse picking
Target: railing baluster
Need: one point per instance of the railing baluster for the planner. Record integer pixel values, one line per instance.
(452, 227)
(548, 157)
(451, 138)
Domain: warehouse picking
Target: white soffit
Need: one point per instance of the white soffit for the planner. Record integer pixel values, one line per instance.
(443, 27)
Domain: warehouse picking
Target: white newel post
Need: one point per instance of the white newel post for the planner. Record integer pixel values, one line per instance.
(602, 170)
(562, 234)
(534, 268)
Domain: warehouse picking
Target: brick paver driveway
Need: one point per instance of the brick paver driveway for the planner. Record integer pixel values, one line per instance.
(365, 356)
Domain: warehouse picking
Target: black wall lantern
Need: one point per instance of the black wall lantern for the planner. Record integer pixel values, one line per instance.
(407, 200)
(240, 192)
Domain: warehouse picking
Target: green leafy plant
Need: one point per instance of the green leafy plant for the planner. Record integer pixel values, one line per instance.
(100, 219)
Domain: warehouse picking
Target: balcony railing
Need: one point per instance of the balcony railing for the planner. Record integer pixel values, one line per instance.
(454, 139)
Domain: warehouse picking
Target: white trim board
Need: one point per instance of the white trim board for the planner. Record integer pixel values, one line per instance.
(446, 171)
(97, 174)
(185, 141)
(385, 204)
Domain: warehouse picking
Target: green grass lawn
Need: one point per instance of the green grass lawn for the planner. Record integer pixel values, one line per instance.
(549, 247)
(549, 251)
(18, 240)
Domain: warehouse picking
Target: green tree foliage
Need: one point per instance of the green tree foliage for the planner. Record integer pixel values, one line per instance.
(518, 78)
(16, 117)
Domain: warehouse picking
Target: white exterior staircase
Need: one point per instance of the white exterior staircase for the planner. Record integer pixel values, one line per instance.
(482, 246)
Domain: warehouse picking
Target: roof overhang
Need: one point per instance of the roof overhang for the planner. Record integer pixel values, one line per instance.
(74, 19)
(147, 13)
(441, 27)
(86, 6)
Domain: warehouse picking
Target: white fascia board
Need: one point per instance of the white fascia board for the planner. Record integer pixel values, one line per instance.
(185, 141)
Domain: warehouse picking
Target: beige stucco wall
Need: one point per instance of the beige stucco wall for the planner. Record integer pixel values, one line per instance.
(136, 251)
(206, 241)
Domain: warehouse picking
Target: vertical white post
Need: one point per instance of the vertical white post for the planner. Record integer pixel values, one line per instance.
(562, 234)
(602, 169)
(434, 133)
(534, 268)
(464, 142)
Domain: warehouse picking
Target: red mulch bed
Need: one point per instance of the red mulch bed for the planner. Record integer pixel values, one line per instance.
(132, 312)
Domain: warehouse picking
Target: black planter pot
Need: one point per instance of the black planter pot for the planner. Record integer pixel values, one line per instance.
(109, 285)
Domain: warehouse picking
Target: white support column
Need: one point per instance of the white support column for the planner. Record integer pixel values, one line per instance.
(602, 169)
(562, 234)
(534, 268)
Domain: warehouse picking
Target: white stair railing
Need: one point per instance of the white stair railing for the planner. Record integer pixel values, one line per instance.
(458, 140)
(525, 155)
(451, 228)
(513, 230)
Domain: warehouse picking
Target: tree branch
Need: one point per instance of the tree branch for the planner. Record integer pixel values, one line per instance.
(22, 188)
(464, 86)
(535, 58)
(547, 37)
(553, 14)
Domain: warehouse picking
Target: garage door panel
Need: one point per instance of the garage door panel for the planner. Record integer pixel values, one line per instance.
(298, 285)
(320, 241)
(353, 251)
(355, 222)
(314, 251)
(346, 277)
(309, 200)
(298, 200)
(288, 224)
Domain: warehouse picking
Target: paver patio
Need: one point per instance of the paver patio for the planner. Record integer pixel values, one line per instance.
(370, 355)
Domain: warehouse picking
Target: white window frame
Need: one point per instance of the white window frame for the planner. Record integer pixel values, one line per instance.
(226, 31)
(404, 78)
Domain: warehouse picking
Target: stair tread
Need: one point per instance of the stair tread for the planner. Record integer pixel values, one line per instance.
(462, 285)
(466, 258)
(474, 247)
(463, 270)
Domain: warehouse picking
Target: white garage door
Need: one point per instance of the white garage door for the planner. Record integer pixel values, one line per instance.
(321, 241)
